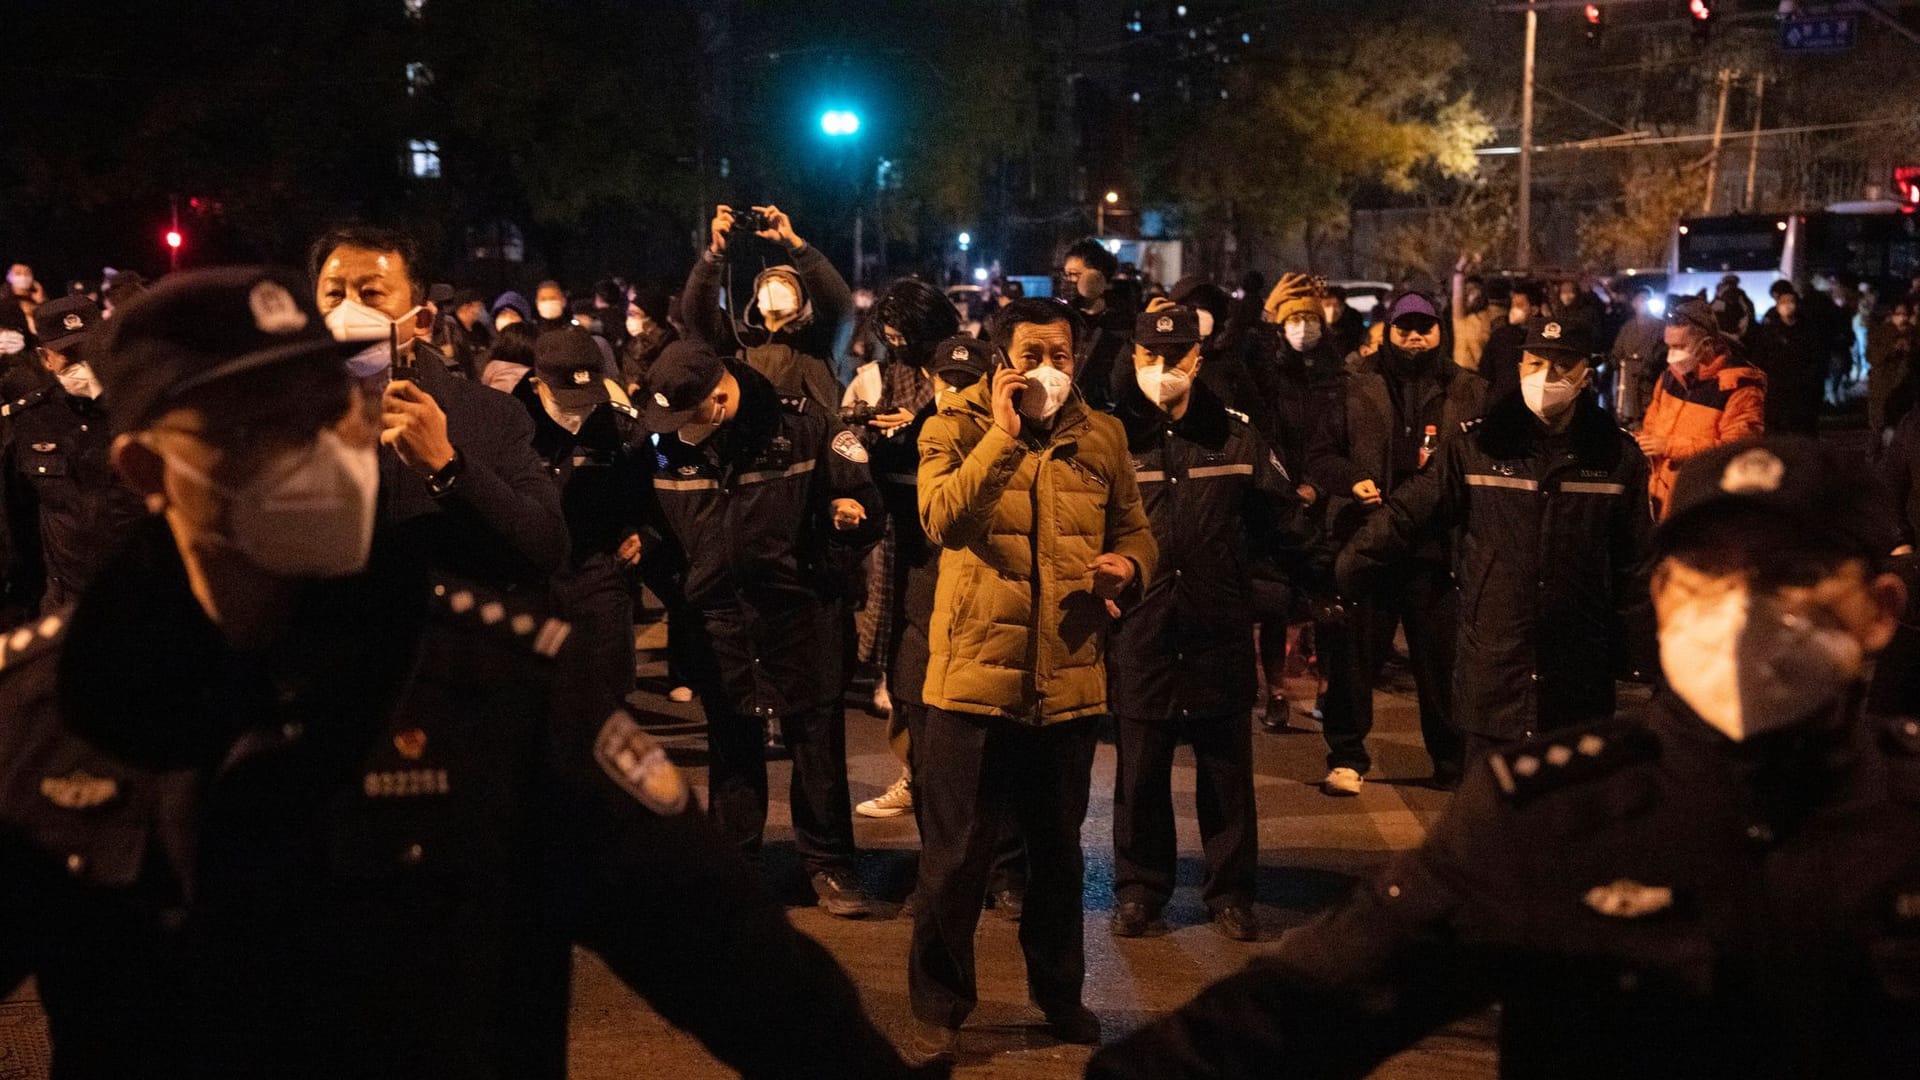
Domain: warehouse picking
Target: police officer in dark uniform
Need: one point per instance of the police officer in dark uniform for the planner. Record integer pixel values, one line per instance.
(592, 440)
(1548, 500)
(277, 799)
(63, 505)
(1727, 887)
(773, 504)
(1181, 662)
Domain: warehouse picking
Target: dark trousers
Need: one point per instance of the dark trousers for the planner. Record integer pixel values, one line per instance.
(1420, 596)
(969, 772)
(1009, 873)
(1143, 831)
(817, 797)
(597, 598)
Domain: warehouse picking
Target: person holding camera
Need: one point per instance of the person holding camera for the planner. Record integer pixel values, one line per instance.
(801, 304)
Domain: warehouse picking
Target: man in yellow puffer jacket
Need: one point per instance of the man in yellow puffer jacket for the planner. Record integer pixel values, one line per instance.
(1030, 496)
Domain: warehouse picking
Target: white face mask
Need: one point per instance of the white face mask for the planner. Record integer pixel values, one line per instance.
(355, 321)
(306, 514)
(78, 380)
(1302, 333)
(551, 309)
(504, 320)
(1747, 666)
(1682, 361)
(636, 326)
(778, 298)
(20, 282)
(12, 341)
(1163, 385)
(1517, 315)
(1046, 394)
(1547, 396)
(695, 434)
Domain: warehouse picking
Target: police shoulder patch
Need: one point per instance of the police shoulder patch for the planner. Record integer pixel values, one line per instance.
(24, 642)
(1571, 757)
(638, 763)
(849, 446)
(28, 401)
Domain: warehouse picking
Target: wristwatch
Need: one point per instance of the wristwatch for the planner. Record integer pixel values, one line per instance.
(442, 482)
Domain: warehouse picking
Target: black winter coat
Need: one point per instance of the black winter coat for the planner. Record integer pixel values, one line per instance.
(369, 851)
(64, 505)
(501, 523)
(1550, 537)
(1795, 362)
(916, 563)
(751, 507)
(1354, 441)
(1644, 898)
(1218, 499)
(1298, 391)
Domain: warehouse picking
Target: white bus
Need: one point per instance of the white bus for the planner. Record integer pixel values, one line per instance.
(1877, 242)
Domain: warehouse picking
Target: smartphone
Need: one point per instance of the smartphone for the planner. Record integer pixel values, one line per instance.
(400, 364)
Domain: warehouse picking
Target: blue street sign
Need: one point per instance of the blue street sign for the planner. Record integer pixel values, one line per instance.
(1818, 33)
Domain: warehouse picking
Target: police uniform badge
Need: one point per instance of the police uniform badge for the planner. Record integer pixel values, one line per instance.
(1628, 899)
(274, 310)
(960, 353)
(1551, 331)
(1164, 325)
(1757, 471)
(73, 321)
(582, 377)
(849, 446)
(79, 790)
(638, 763)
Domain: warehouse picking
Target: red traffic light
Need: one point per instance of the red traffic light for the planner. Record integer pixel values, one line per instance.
(1593, 14)
(174, 238)
(1700, 9)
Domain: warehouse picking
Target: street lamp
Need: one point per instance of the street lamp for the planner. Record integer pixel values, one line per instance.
(1100, 212)
(836, 123)
(966, 241)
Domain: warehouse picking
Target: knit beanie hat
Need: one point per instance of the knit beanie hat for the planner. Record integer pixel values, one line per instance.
(1295, 294)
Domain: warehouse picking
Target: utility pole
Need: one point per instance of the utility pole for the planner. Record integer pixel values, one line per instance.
(1719, 132)
(1753, 144)
(1523, 244)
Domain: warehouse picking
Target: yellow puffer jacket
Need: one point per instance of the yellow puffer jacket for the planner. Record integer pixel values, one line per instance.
(1017, 631)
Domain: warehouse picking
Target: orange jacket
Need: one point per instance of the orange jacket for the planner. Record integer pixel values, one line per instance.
(1723, 401)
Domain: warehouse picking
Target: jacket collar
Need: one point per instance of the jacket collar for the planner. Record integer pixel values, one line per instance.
(1511, 430)
(1205, 421)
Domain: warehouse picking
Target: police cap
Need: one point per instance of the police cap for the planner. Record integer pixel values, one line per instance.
(685, 373)
(570, 366)
(1170, 329)
(1569, 338)
(65, 322)
(1825, 497)
(199, 327)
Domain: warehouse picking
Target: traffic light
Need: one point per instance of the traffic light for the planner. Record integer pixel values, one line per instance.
(1702, 13)
(1595, 24)
(174, 239)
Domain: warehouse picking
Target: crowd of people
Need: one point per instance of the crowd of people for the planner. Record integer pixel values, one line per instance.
(317, 638)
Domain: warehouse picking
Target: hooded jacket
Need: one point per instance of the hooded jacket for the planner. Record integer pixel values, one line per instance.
(1550, 530)
(1723, 401)
(1017, 631)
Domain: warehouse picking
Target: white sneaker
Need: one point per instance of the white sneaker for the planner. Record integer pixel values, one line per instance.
(893, 802)
(882, 701)
(681, 694)
(1341, 781)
